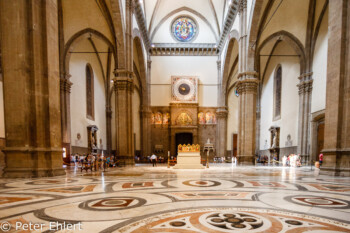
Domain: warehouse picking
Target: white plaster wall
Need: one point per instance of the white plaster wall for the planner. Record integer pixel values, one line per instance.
(163, 67)
(204, 33)
(232, 118)
(290, 98)
(2, 114)
(291, 16)
(79, 122)
(318, 101)
(89, 15)
(136, 119)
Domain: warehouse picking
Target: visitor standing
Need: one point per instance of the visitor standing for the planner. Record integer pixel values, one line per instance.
(154, 160)
(320, 159)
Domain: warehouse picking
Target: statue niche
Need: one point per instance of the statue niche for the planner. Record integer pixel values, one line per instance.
(92, 139)
(275, 142)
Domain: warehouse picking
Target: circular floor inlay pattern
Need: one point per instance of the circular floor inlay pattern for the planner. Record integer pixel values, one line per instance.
(227, 219)
(323, 202)
(112, 203)
(201, 183)
(178, 224)
(234, 221)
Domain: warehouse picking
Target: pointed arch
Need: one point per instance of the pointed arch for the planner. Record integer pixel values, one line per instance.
(290, 39)
(77, 37)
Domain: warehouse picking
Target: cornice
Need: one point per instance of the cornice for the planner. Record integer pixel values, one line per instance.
(229, 20)
(141, 21)
(183, 49)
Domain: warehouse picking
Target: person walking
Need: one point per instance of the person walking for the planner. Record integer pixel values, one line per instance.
(154, 160)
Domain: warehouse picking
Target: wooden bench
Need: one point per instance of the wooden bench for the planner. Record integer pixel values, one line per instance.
(86, 166)
(172, 162)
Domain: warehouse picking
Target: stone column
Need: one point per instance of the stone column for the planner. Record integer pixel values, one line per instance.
(221, 131)
(124, 88)
(65, 85)
(336, 151)
(109, 128)
(146, 115)
(305, 93)
(30, 62)
(247, 87)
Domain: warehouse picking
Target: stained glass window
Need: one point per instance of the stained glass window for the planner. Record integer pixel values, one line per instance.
(278, 92)
(184, 29)
(90, 110)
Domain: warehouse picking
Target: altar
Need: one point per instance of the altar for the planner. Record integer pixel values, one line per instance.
(188, 157)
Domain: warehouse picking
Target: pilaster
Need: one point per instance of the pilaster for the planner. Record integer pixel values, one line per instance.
(124, 87)
(247, 88)
(305, 94)
(65, 90)
(30, 62)
(336, 160)
(221, 131)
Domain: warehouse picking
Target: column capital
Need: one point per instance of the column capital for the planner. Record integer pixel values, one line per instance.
(65, 85)
(123, 84)
(305, 86)
(248, 86)
(222, 112)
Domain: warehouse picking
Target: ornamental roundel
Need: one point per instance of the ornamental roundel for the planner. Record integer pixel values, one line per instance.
(184, 89)
(184, 29)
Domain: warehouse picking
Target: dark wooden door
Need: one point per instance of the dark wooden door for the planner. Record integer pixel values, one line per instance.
(234, 145)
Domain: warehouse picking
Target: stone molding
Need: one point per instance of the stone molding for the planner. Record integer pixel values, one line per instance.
(140, 18)
(242, 5)
(229, 20)
(248, 86)
(124, 73)
(222, 113)
(305, 87)
(218, 64)
(249, 74)
(190, 49)
(124, 84)
(65, 85)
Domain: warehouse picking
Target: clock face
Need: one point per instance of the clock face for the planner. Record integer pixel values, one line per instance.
(184, 89)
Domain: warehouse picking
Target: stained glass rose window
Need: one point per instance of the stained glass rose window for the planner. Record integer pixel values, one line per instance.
(184, 29)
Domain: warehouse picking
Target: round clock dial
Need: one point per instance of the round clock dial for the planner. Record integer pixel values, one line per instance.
(184, 89)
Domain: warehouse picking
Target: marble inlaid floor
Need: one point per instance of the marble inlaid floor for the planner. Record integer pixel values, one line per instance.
(222, 198)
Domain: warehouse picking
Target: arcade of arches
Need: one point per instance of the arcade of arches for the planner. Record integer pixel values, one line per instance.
(124, 79)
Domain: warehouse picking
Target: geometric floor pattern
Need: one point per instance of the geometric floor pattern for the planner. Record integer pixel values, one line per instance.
(223, 198)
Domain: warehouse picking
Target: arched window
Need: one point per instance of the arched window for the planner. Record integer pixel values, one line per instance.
(90, 106)
(277, 93)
